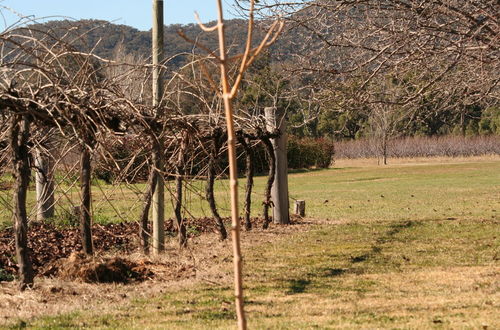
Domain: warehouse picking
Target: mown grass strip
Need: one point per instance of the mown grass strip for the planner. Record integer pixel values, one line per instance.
(404, 274)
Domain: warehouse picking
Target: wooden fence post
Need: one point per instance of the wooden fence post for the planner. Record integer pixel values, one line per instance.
(44, 178)
(159, 194)
(276, 119)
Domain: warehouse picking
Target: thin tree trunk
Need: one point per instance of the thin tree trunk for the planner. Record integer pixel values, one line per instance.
(270, 180)
(233, 170)
(181, 226)
(85, 208)
(144, 231)
(214, 150)
(384, 148)
(463, 126)
(19, 145)
(249, 171)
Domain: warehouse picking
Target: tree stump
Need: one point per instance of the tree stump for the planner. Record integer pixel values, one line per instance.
(300, 208)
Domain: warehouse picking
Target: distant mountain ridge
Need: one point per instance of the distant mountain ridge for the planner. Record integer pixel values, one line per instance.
(105, 39)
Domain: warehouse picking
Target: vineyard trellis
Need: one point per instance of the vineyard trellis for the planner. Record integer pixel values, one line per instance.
(82, 125)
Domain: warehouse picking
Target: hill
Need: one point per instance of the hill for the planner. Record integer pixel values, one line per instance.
(105, 39)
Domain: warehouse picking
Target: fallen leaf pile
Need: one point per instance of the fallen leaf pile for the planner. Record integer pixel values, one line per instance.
(49, 243)
(106, 270)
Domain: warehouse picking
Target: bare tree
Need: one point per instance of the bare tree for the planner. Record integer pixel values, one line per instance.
(227, 94)
(449, 46)
(268, 203)
(215, 141)
(47, 83)
(19, 132)
(245, 142)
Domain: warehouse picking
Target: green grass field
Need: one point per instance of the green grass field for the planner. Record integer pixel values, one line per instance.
(401, 246)
(414, 192)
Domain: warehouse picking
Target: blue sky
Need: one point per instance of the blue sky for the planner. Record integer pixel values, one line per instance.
(136, 13)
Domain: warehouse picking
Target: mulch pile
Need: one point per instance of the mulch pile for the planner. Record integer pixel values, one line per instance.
(55, 250)
(49, 243)
(107, 270)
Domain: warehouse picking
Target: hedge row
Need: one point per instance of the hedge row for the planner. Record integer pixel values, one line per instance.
(312, 153)
(410, 147)
(302, 153)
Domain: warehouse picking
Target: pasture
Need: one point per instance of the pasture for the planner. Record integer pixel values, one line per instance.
(409, 245)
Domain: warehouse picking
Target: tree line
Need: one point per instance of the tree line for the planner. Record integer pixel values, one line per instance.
(438, 63)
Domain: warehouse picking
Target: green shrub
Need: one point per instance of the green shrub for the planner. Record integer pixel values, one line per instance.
(301, 153)
(490, 121)
(5, 277)
(309, 153)
(65, 218)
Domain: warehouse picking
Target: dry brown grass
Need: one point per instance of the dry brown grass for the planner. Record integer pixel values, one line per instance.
(205, 261)
(461, 297)
(446, 293)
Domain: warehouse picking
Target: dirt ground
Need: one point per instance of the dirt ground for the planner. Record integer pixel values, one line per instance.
(49, 243)
(203, 261)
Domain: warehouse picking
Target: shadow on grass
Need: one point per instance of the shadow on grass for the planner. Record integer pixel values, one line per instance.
(297, 286)
(224, 314)
(333, 272)
(377, 178)
(312, 170)
(374, 253)
(396, 229)
(376, 249)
